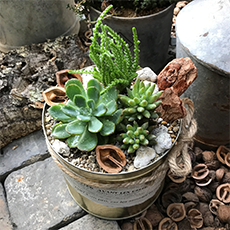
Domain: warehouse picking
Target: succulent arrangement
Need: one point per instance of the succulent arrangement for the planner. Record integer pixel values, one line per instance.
(108, 107)
(115, 108)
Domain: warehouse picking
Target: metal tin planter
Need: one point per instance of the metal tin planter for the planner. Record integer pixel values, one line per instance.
(203, 34)
(29, 21)
(112, 196)
(153, 31)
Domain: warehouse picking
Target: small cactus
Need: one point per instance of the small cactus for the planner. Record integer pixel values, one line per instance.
(135, 136)
(140, 102)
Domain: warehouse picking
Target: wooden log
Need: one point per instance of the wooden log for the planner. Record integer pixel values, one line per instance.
(24, 74)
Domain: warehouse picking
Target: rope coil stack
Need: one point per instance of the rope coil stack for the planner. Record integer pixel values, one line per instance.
(178, 159)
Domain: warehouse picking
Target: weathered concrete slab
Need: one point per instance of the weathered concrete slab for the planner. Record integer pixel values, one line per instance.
(22, 152)
(38, 197)
(4, 212)
(91, 222)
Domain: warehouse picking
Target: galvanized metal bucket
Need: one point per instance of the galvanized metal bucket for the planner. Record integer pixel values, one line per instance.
(112, 196)
(30, 21)
(153, 32)
(203, 34)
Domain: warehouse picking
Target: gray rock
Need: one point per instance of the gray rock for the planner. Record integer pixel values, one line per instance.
(90, 222)
(22, 152)
(163, 140)
(38, 197)
(4, 212)
(61, 148)
(144, 155)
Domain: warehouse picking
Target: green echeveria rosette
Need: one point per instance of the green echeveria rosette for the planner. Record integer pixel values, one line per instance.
(87, 116)
(140, 102)
(135, 136)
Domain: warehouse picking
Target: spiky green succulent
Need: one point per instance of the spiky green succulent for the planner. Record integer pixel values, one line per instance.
(140, 102)
(115, 65)
(135, 136)
(87, 116)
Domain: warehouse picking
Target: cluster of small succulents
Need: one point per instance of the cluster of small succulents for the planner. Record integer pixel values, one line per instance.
(135, 136)
(87, 115)
(138, 106)
(140, 102)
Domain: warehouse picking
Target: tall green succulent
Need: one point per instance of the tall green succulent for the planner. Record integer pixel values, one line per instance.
(140, 102)
(115, 65)
(87, 116)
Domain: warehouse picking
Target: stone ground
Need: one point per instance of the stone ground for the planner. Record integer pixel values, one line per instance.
(33, 193)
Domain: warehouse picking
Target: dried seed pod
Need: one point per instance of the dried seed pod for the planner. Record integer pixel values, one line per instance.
(170, 197)
(219, 174)
(184, 225)
(226, 178)
(63, 76)
(214, 205)
(192, 156)
(208, 156)
(221, 152)
(204, 194)
(203, 207)
(224, 213)
(110, 158)
(213, 165)
(167, 224)
(172, 186)
(175, 178)
(198, 153)
(153, 215)
(227, 159)
(189, 196)
(176, 211)
(189, 205)
(127, 226)
(195, 218)
(213, 186)
(200, 171)
(204, 182)
(208, 219)
(207, 180)
(223, 192)
(208, 228)
(185, 186)
(142, 224)
(54, 95)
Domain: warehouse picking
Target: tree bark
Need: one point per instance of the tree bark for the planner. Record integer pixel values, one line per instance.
(24, 74)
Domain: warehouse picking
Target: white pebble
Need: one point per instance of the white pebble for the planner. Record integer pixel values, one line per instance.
(61, 148)
(146, 74)
(144, 155)
(164, 142)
